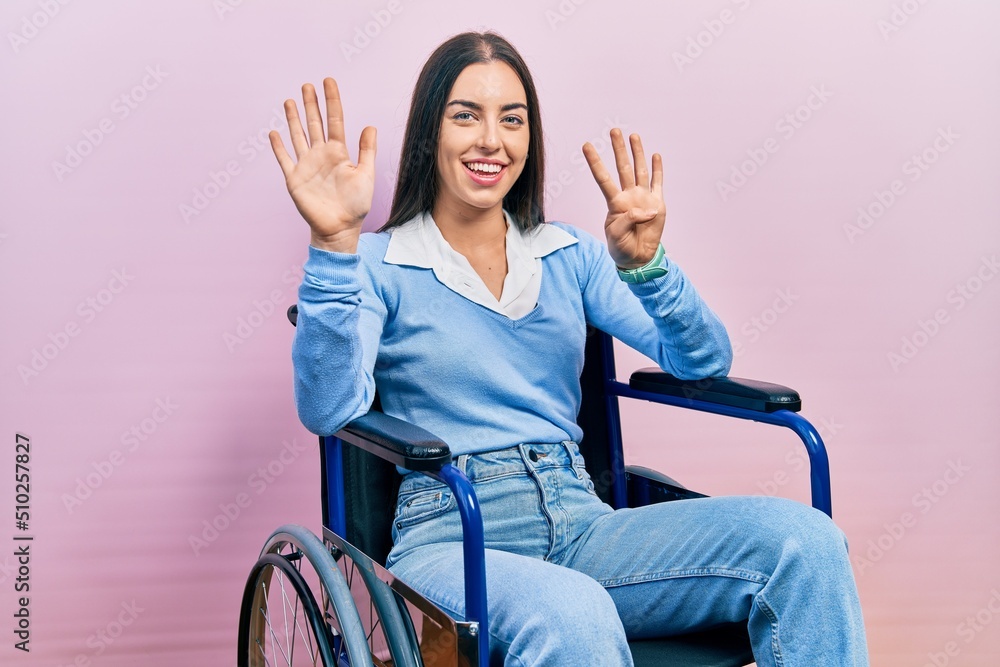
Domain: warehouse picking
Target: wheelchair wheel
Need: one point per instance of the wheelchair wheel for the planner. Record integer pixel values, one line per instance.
(297, 608)
(392, 637)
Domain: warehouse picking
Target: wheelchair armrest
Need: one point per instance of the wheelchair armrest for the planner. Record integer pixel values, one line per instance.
(397, 441)
(736, 392)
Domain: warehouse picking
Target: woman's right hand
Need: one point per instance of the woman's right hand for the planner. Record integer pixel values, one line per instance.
(333, 195)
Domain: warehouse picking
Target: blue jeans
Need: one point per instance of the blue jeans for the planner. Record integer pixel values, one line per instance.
(569, 578)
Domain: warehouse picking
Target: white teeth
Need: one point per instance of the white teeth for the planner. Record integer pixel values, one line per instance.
(483, 167)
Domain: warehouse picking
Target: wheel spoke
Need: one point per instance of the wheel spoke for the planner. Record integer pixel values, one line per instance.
(304, 633)
(289, 636)
(275, 647)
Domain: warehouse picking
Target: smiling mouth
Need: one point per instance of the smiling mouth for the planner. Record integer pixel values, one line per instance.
(484, 173)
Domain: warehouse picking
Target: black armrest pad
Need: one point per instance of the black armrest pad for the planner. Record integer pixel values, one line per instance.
(396, 441)
(735, 392)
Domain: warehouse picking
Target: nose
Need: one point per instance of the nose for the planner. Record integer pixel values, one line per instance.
(489, 137)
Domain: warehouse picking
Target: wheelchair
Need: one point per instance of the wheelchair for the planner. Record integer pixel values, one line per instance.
(329, 601)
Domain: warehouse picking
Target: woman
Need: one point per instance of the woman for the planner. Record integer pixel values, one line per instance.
(469, 311)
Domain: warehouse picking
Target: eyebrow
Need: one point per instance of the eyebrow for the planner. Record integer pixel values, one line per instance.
(479, 107)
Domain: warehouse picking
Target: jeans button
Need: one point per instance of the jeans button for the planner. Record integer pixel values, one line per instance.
(532, 454)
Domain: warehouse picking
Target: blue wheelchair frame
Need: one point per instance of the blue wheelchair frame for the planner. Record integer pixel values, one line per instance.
(411, 447)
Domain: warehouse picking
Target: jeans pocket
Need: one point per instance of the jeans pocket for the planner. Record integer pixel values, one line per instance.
(421, 506)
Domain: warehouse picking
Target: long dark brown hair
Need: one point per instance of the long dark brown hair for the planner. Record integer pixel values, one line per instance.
(416, 183)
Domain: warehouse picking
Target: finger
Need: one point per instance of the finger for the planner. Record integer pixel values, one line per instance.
(641, 173)
(366, 150)
(314, 118)
(334, 112)
(621, 159)
(284, 159)
(601, 175)
(657, 184)
(299, 142)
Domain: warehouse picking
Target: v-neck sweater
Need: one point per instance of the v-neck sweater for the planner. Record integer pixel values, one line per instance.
(472, 376)
(419, 242)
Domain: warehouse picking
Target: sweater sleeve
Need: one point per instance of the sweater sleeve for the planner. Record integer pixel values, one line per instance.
(340, 321)
(664, 318)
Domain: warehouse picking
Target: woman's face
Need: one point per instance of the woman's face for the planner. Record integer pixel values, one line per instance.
(484, 137)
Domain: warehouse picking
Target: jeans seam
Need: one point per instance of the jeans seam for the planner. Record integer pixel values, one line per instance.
(754, 577)
(765, 609)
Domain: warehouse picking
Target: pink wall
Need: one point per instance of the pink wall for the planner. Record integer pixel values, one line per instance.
(137, 299)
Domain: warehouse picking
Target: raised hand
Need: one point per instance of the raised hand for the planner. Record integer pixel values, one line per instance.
(636, 211)
(331, 193)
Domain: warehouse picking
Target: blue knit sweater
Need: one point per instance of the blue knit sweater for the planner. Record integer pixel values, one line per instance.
(471, 376)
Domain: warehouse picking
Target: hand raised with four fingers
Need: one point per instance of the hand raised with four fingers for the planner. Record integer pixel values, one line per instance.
(636, 211)
(331, 193)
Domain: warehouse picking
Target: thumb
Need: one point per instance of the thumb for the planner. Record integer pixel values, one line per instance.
(641, 215)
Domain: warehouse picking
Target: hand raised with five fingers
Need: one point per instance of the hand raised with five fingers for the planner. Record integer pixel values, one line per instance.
(331, 193)
(636, 211)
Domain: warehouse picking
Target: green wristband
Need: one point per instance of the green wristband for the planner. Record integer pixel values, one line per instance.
(653, 269)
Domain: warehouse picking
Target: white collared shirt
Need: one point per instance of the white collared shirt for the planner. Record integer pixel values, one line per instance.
(418, 242)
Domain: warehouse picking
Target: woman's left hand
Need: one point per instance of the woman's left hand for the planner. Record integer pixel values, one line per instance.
(636, 211)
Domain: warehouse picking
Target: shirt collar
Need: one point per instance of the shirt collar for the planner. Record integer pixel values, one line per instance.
(418, 242)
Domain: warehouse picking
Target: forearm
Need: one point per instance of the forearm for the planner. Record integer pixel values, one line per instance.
(692, 343)
(334, 348)
(664, 318)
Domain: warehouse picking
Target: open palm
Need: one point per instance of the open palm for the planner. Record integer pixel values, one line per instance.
(636, 212)
(331, 193)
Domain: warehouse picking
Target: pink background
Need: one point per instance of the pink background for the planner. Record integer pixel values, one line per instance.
(894, 76)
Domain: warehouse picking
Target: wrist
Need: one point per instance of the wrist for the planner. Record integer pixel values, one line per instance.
(346, 241)
(654, 268)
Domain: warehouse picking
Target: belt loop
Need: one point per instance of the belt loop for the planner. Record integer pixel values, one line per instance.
(460, 462)
(568, 446)
(569, 450)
